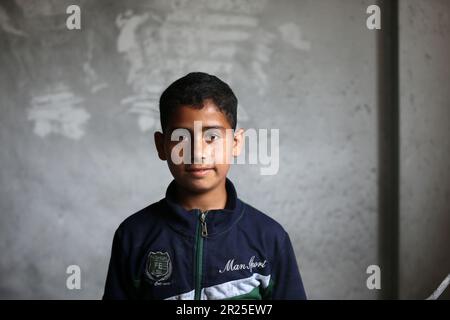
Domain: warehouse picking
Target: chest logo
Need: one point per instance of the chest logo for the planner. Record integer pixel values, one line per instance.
(252, 264)
(158, 267)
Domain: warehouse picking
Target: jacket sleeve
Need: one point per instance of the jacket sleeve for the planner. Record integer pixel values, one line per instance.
(287, 283)
(118, 285)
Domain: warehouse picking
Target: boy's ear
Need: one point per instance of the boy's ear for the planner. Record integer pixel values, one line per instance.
(238, 142)
(159, 143)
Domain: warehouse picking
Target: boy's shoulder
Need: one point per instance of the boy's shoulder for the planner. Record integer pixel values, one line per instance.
(139, 222)
(261, 222)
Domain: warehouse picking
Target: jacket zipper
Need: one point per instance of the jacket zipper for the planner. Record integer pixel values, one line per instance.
(201, 233)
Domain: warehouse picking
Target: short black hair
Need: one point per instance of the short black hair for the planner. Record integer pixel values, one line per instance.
(193, 89)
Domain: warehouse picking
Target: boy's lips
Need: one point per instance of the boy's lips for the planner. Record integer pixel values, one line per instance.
(199, 171)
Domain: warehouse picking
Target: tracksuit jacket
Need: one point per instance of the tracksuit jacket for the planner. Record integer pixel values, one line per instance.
(166, 252)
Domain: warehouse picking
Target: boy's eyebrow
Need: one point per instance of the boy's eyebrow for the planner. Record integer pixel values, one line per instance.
(213, 127)
(203, 128)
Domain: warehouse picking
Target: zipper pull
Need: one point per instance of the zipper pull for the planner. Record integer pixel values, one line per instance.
(203, 221)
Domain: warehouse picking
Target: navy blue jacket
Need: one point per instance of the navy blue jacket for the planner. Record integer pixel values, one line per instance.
(166, 252)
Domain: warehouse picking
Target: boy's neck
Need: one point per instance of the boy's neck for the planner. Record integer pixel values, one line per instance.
(212, 199)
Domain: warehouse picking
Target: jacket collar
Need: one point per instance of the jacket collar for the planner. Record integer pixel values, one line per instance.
(218, 221)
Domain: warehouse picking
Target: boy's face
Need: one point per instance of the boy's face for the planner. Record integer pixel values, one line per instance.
(198, 145)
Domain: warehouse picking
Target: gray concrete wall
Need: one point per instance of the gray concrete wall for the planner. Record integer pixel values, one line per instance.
(78, 109)
(425, 147)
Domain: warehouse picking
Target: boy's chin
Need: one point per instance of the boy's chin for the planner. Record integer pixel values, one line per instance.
(199, 185)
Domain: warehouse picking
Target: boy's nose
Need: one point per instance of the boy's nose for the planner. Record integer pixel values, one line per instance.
(198, 150)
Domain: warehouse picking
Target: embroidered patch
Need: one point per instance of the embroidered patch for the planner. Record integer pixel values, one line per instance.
(158, 267)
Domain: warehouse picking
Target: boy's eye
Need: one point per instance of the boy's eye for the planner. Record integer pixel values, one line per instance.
(181, 138)
(211, 137)
(180, 135)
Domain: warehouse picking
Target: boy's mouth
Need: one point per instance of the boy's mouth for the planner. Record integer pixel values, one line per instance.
(199, 171)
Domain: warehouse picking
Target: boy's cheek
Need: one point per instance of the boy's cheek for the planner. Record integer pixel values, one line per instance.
(222, 170)
(223, 154)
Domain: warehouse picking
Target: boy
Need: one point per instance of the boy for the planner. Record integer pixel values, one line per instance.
(201, 241)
